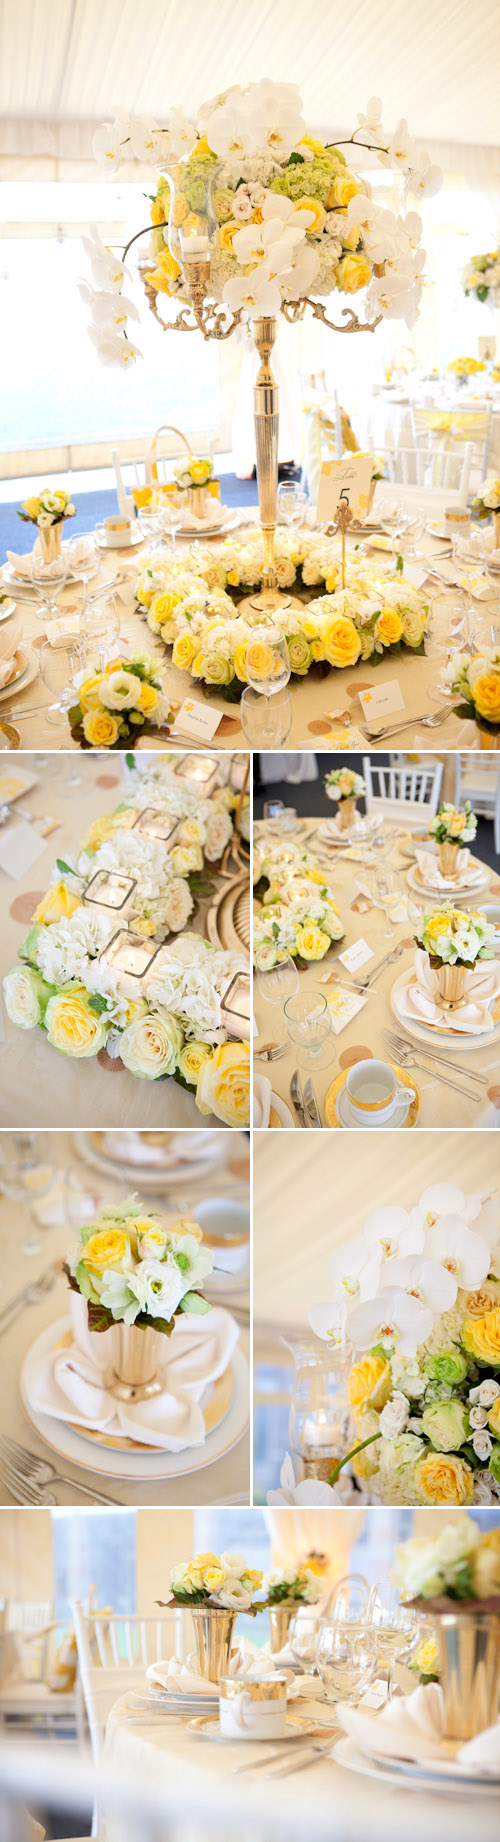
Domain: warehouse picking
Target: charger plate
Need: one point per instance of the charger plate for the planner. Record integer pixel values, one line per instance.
(405, 1774)
(404, 1075)
(209, 1728)
(464, 1041)
(24, 677)
(228, 919)
(128, 1459)
(147, 1177)
(460, 894)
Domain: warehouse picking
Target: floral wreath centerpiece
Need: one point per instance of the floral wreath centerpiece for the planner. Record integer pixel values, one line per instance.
(263, 219)
(418, 1293)
(294, 912)
(453, 831)
(344, 785)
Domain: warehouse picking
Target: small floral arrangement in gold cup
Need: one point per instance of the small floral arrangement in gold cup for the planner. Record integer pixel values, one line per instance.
(300, 1584)
(223, 1581)
(477, 682)
(47, 508)
(453, 827)
(466, 367)
(117, 705)
(134, 1268)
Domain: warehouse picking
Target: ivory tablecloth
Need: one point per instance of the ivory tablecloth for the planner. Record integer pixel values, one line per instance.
(38, 1086)
(228, 1478)
(334, 1803)
(311, 698)
(440, 1106)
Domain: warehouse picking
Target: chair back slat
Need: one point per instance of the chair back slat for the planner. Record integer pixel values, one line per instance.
(125, 1644)
(390, 788)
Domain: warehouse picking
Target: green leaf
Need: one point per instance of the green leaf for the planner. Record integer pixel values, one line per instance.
(131, 763)
(399, 565)
(194, 1302)
(482, 292)
(65, 868)
(98, 1317)
(165, 1325)
(275, 930)
(97, 1004)
(296, 159)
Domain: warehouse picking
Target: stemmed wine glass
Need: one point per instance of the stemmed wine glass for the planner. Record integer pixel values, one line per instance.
(172, 512)
(83, 557)
(267, 662)
(292, 503)
(387, 889)
(25, 1177)
(346, 1655)
(302, 1637)
(280, 982)
(48, 580)
(348, 1603)
(60, 659)
(266, 721)
(308, 1023)
(99, 630)
(395, 1627)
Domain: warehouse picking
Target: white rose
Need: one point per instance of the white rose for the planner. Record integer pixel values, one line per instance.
(485, 1394)
(149, 1047)
(219, 831)
(22, 997)
(478, 1417)
(192, 832)
(185, 858)
(44, 519)
(178, 905)
(482, 1444)
(265, 956)
(395, 1415)
(120, 691)
(413, 626)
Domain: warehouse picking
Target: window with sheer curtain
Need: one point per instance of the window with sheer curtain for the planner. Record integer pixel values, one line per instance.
(94, 1549)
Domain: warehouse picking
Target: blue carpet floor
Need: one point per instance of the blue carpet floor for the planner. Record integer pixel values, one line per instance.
(92, 507)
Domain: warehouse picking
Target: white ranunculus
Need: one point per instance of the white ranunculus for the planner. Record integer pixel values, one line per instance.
(395, 1415)
(161, 1286)
(178, 905)
(120, 691)
(219, 832)
(234, 1596)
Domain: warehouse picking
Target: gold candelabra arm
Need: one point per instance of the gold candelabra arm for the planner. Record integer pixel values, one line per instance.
(295, 310)
(198, 314)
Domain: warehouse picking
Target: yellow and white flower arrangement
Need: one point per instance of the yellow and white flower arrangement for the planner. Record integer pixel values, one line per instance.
(192, 471)
(417, 1295)
(47, 508)
(461, 1563)
(449, 826)
(224, 1581)
(481, 277)
(343, 783)
(488, 499)
(282, 1584)
(294, 913)
(477, 681)
(134, 1268)
(114, 706)
(453, 937)
(466, 366)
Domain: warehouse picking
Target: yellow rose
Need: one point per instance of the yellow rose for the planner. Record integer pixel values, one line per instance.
(486, 1563)
(366, 1463)
(316, 147)
(485, 1298)
(487, 696)
(88, 695)
(224, 1084)
(206, 1560)
(342, 189)
(100, 728)
(147, 699)
(102, 829)
(311, 941)
(200, 471)
(389, 627)
(341, 642)
(136, 1008)
(191, 1060)
(56, 905)
(214, 1578)
(157, 212)
(456, 824)
(163, 606)
(308, 627)
(168, 266)
(107, 1248)
(349, 233)
(183, 652)
(180, 209)
(494, 1418)
(202, 151)
(353, 272)
(331, 583)
(32, 507)
(186, 857)
(438, 928)
(318, 652)
(233, 578)
(481, 1337)
(319, 215)
(369, 1383)
(239, 661)
(260, 660)
(442, 1478)
(71, 1026)
(140, 925)
(226, 234)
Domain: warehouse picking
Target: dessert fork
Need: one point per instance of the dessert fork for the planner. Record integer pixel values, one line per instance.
(35, 1473)
(409, 1060)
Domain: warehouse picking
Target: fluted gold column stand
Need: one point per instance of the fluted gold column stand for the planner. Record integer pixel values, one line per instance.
(266, 423)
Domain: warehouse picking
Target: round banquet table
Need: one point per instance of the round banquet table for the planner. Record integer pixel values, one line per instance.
(38, 1086)
(313, 699)
(228, 1478)
(440, 1105)
(325, 1801)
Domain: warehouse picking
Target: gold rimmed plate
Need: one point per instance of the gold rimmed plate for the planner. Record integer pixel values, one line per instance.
(461, 1040)
(297, 1725)
(404, 1075)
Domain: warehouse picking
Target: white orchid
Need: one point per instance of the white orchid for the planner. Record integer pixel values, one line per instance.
(329, 1322)
(390, 1231)
(311, 1490)
(293, 215)
(108, 308)
(371, 121)
(302, 273)
(182, 135)
(393, 1319)
(268, 243)
(445, 1199)
(352, 1271)
(425, 1279)
(107, 268)
(464, 1254)
(109, 142)
(255, 294)
(113, 350)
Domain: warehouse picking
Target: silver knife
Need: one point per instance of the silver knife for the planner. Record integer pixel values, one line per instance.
(311, 1105)
(297, 1097)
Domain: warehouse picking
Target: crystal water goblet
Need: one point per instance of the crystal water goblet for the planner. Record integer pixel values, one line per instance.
(346, 1656)
(308, 1024)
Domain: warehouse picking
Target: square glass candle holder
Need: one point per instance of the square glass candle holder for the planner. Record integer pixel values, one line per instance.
(130, 958)
(110, 893)
(154, 822)
(201, 770)
(235, 1006)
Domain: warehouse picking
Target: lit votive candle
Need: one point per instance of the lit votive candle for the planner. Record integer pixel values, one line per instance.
(109, 893)
(153, 822)
(130, 959)
(235, 1006)
(202, 769)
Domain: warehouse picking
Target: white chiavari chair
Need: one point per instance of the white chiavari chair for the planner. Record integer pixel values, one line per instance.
(114, 1651)
(477, 777)
(389, 790)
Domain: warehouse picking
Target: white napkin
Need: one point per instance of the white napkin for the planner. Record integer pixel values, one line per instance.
(217, 514)
(409, 1727)
(451, 575)
(22, 564)
(482, 986)
(247, 1662)
(262, 1097)
(70, 1384)
(7, 668)
(468, 872)
(482, 1754)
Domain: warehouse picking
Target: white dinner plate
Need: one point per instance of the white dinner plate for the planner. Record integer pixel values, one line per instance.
(418, 1778)
(448, 895)
(463, 1044)
(135, 1467)
(25, 678)
(283, 1111)
(436, 528)
(148, 1177)
(212, 530)
(208, 1727)
(6, 609)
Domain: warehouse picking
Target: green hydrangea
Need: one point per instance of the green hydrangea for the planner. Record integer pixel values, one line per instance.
(449, 1366)
(312, 179)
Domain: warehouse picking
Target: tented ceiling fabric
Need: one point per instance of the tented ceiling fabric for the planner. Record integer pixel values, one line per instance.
(64, 69)
(313, 1192)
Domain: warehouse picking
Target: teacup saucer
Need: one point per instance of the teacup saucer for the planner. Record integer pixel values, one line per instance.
(339, 1112)
(208, 1725)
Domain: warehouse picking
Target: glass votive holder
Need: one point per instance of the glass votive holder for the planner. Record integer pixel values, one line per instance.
(130, 959)
(202, 770)
(154, 822)
(110, 893)
(235, 1006)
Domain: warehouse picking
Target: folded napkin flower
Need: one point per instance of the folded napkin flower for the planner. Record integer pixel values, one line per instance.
(482, 1754)
(482, 986)
(7, 669)
(408, 1727)
(71, 1384)
(468, 872)
(247, 1663)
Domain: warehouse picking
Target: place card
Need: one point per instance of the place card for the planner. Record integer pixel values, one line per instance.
(356, 955)
(382, 699)
(196, 719)
(20, 847)
(346, 480)
(412, 573)
(343, 1006)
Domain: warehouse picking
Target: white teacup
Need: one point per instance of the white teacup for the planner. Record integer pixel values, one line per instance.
(374, 1091)
(226, 1228)
(254, 1709)
(115, 532)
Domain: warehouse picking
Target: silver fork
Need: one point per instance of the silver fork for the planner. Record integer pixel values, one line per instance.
(409, 1060)
(36, 1473)
(427, 722)
(388, 960)
(21, 1491)
(472, 1073)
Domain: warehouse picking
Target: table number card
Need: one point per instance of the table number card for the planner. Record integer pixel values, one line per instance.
(382, 700)
(346, 480)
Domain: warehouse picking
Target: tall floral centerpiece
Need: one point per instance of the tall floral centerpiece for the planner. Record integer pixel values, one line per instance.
(214, 1588)
(481, 277)
(346, 787)
(487, 505)
(254, 216)
(466, 367)
(286, 1589)
(419, 1295)
(455, 1579)
(48, 511)
(137, 1274)
(452, 830)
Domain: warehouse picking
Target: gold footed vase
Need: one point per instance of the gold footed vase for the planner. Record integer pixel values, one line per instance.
(451, 987)
(469, 1658)
(347, 813)
(137, 1357)
(448, 858)
(213, 1634)
(488, 738)
(50, 536)
(279, 1620)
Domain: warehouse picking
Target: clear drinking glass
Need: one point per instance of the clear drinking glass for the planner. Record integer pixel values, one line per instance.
(412, 536)
(302, 1637)
(172, 514)
(292, 503)
(280, 983)
(308, 1023)
(273, 651)
(395, 1627)
(84, 557)
(348, 1603)
(60, 659)
(48, 581)
(346, 1655)
(273, 808)
(266, 721)
(99, 630)
(387, 889)
(25, 1177)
